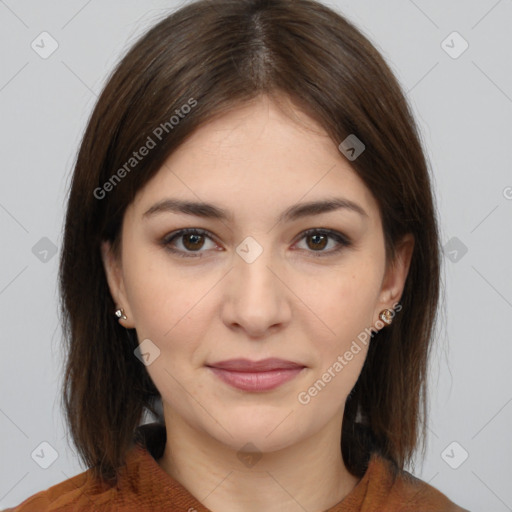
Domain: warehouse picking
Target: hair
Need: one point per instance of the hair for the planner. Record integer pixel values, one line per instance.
(218, 55)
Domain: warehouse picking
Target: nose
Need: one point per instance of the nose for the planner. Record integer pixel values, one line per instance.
(256, 298)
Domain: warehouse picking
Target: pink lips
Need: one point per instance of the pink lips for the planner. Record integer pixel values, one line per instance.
(261, 375)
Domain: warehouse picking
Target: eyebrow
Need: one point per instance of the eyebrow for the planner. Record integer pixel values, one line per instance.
(211, 211)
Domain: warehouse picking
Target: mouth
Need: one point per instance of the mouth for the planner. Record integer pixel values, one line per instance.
(255, 376)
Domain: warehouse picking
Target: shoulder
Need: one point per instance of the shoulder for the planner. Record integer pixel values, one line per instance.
(141, 485)
(398, 490)
(60, 497)
(84, 492)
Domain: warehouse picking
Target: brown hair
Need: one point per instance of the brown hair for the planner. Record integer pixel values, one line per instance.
(220, 54)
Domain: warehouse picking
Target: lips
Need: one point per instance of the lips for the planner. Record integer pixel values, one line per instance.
(256, 376)
(265, 365)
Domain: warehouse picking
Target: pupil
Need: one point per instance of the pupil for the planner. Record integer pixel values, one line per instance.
(316, 239)
(195, 240)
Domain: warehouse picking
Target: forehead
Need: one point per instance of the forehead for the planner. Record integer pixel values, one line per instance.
(257, 155)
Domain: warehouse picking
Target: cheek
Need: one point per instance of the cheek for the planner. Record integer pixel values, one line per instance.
(343, 300)
(162, 298)
(341, 342)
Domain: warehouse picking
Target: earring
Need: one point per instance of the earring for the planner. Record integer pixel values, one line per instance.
(120, 313)
(386, 315)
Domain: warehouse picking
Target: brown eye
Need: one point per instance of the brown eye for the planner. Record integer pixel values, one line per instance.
(193, 241)
(188, 242)
(319, 241)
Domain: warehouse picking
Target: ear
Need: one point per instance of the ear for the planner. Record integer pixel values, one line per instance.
(115, 279)
(396, 274)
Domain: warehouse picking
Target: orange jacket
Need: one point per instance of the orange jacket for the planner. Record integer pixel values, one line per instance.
(144, 486)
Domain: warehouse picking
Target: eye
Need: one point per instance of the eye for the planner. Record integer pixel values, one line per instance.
(318, 239)
(192, 240)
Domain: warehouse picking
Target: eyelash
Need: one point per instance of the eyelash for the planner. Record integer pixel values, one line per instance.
(342, 240)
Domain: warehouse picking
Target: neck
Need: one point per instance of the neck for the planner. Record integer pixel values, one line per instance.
(309, 475)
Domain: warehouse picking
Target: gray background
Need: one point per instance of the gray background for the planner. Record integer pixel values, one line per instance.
(464, 109)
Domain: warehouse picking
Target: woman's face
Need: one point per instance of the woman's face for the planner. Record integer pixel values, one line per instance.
(251, 284)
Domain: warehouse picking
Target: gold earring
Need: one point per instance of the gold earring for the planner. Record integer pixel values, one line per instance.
(386, 315)
(120, 314)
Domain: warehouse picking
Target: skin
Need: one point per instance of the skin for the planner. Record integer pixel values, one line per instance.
(255, 161)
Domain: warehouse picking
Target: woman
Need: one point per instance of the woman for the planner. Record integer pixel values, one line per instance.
(250, 244)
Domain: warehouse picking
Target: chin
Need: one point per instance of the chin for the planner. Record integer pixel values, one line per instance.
(266, 430)
(258, 442)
